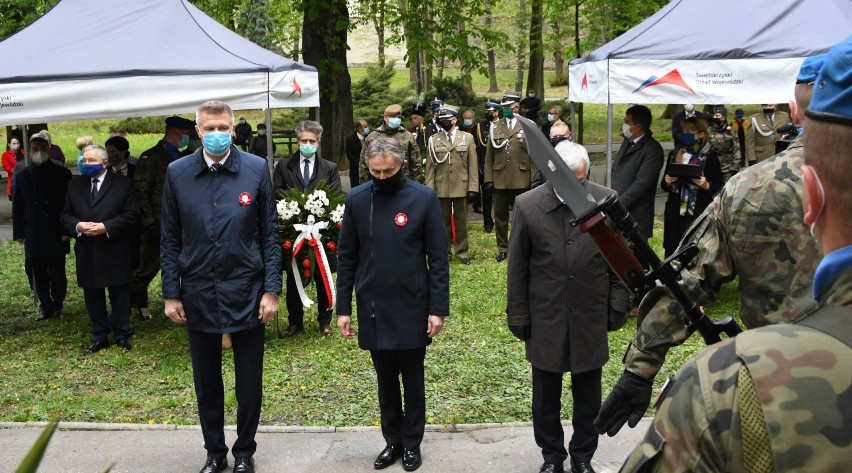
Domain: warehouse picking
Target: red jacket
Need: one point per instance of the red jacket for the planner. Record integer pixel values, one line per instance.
(9, 161)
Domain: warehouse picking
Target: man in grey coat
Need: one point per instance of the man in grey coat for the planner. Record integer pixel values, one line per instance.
(562, 298)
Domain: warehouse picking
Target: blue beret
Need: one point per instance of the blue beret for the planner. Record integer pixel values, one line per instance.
(180, 123)
(491, 105)
(832, 99)
(810, 68)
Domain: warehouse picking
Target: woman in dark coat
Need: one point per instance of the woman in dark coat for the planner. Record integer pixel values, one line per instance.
(688, 197)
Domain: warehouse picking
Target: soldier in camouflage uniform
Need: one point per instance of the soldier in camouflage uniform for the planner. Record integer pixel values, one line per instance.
(753, 229)
(778, 398)
(724, 143)
(150, 177)
(413, 163)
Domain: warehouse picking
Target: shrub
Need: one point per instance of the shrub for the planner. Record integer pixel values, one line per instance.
(139, 125)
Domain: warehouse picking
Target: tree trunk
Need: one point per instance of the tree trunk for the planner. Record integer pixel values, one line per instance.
(379, 25)
(492, 63)
(522, 26)
(412, 66)
(558, 56)
(324, 33)
(535, 75)
(578, 133)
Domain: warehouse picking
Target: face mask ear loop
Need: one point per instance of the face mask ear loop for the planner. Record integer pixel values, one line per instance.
(822, 204)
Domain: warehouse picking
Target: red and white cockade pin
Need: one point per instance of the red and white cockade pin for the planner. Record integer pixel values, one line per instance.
(400, 220)
(245, 198)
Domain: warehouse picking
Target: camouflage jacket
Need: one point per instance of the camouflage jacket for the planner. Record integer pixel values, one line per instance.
(726, 146)
(414, 164)
(800, 378)
(150, 178)
(753, 229)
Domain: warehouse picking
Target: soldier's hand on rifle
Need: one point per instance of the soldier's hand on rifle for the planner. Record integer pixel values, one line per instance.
(522, 332)
(627, 402)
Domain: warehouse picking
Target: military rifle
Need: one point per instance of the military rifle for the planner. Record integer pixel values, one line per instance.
(638, 268)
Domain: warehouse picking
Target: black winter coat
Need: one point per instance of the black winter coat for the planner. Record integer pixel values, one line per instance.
(393, 253)
(635, 173)
(39, 196)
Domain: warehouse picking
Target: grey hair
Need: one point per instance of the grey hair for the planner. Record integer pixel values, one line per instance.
(385, 147)
(214, 107)
(558, 109)
(309, 126)
(573, 154)
(100, 149)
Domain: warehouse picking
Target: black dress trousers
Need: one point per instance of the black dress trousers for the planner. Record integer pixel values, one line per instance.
(205, 349)
(401, 426)
(546, 406)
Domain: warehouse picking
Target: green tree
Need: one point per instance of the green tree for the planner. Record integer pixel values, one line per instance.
(16, 15)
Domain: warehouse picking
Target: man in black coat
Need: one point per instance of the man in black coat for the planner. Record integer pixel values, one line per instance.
(303, 171)
(38, 197)
(563, 319)
(354, 143)
(393, 249)
(101, 212)
(637, 166)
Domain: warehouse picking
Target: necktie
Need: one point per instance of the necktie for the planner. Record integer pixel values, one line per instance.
(94, 188)
(306, 175)
(216, 167)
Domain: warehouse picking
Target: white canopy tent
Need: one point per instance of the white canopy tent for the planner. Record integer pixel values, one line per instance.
(88, 59)
(723, 52)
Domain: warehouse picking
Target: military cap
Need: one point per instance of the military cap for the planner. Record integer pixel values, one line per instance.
(180, 123)
(720, 109)
(436, 104)
(448, 111)
(393, 109)
(491, 105)
(509, 99)
(832, 99)
(810, 68)
(419, 110)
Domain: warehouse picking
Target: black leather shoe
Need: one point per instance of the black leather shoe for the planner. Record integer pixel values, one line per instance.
(291, 330)
(411, 459)
(325, 330)
(97, 346)
(551, 468)
(388, 457)
(465, 261)
(215, 465)
(58, 312)
(581, 467)
(44, 315)
(243, 465)
(501, 256)
(124, 344)
(488, 228)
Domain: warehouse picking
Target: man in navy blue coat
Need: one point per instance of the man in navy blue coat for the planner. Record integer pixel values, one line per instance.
(221, 275)
(38, 197)
(393, 253)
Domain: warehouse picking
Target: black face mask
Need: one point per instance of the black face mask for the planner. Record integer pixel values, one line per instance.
(446, 124)
(114, 159)
(390, 184)
(557, 139)
(768, 111)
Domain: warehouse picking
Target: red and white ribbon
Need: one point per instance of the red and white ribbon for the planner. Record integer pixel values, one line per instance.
(310, 233)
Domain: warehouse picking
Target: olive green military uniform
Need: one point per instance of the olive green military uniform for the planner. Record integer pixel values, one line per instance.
(753, 228)
(772, 399)
(452, 170)
(727, 148)
(509, 166)
(761, 136)
(150, 177)
(413, 165)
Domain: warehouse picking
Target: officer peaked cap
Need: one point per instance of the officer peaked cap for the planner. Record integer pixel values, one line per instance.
(448, 111)
(491, 105)
(509, 99)
(180, 123)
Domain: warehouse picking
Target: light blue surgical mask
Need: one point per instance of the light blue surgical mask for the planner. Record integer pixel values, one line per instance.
(468, 122)
(394, 122)
(184, 140)
(550, 117)
(307, 150)
(217, 142)
(366, 130)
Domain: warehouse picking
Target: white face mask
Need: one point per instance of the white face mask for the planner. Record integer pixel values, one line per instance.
(39, 157)
(625, 129)
(15, 147)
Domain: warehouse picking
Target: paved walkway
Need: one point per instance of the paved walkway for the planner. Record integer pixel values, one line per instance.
(91, 448)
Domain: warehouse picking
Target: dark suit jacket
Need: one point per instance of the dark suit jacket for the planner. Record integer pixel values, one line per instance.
(353, 152)
(635, 174)
(288, 174)
(104, 260)
(39, 194)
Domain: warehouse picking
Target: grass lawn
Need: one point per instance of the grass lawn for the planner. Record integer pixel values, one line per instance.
(475, 370)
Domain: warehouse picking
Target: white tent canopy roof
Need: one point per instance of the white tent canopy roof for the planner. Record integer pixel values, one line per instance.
(88, 59)
(725, 51)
